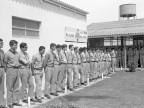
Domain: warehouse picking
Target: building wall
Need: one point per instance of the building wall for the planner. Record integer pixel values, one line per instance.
(53, 22)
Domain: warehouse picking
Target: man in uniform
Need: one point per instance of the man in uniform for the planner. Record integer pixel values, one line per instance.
(57, 65)
(50, 74)
(2, 100)
(113, 55)
(11, 60)
(123, 58)
(92, 65)
(70, 67)
(63, 70)
(37, 70)
(76, 81)
(119, 62)
(109, 62)
(142, 57)
(96, 63)
(136, 56)
(81, 71)
(26, 75)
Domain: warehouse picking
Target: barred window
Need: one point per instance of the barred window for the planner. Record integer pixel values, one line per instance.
(25, 28)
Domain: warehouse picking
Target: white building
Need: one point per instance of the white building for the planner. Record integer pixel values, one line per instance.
(41, 22)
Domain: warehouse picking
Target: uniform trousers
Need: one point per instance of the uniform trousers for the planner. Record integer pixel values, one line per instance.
(75, 75)
(87, 75)
(113, 63)
(51, 73)
(92, 69)
(2, 79)
(123, 61)
(95, 69)
(81, 73)
(61, 78)
(12, 82)
(119, 62)
(70, 73)
(27, 82)
(38, 80)
(142, 61)
(84, 66)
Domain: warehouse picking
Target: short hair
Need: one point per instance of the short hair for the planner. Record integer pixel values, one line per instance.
(12, 42)
(41, 48)
(75, 47)
(52, 45)
(64, 45)
(58, 46)
(1, 40)
(70, 46)
(22, 45)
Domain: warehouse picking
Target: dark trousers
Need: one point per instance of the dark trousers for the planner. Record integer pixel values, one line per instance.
(2, 100)
(12, 82)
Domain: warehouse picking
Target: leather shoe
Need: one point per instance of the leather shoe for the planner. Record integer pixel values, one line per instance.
(47, 96)
(17, 104)
(25, 101)
(33, 100)
(55, 94)
(62, 91)
(3, 106)
(39, 100)
(10, 106)
(71, 89)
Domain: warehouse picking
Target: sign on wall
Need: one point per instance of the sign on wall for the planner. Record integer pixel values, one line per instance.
(75, 35)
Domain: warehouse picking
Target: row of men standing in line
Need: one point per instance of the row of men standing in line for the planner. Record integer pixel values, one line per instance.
(82, 62)
(133, 52)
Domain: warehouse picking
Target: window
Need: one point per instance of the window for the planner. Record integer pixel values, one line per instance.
(23, 27)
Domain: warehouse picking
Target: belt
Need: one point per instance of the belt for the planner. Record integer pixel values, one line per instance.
(24, 67)
(113, 57)
(37, 69)
(92, 61)
(1, 66)
(69, 63)
(84, 62)
(14, 67)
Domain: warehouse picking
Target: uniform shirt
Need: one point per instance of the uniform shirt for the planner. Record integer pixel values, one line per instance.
(119, 53)
(11, 58)
(79, 58)
(75, 58)
(24, 58)
(69, 56)
(99, 56)
(1, 58)
(109, 57)
(64, 57)
(49, 58)
(87, 57)
(102, 56)
(92, 57)
(83, 57)
(113, 54)
(37, 61)
(96, 56)
(57, 58)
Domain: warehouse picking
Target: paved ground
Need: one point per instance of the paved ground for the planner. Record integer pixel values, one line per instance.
(122, 90)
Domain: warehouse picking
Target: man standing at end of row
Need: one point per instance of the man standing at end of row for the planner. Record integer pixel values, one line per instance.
(2, 100)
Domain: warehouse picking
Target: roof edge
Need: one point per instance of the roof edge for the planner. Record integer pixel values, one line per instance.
(65, 5)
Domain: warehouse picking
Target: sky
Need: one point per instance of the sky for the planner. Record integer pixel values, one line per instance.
(105, 10)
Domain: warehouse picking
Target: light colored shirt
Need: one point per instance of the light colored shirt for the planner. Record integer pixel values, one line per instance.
(87, 56)
(83, 57)
(57, 58)
(92, 57)
(69, 56)
(37, 61)
(12, 58)
(64, 57)
(79, 58)
(49, 58)
(24, 59)
(96, 56)
(1, 58)
(75, 58)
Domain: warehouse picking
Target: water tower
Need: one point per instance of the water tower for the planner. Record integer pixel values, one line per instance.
(127, 11)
